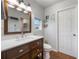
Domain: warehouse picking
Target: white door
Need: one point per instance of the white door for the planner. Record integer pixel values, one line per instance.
(68, 31)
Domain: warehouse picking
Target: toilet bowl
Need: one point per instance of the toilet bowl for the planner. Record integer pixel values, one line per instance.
(47, 49)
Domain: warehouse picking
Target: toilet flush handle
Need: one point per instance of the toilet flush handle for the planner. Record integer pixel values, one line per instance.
(74, 34)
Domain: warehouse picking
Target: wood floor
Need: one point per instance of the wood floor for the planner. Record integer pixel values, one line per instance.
(59, 55)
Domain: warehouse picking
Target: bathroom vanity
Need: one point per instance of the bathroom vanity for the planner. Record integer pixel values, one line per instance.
(19, 22)
(26, 49)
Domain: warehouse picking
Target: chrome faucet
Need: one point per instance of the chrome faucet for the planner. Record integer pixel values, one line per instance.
(22, 32)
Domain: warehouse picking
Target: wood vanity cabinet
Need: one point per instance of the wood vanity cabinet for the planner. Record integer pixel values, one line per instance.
(3, 55)
(32, 50)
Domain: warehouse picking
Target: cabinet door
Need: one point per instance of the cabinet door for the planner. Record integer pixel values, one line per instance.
(3, 55)
(24, 56)
(36, 54)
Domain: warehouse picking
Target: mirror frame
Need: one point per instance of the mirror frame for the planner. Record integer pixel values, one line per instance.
(6, 21)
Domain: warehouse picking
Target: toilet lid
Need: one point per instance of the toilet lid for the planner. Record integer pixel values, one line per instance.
(47, 46)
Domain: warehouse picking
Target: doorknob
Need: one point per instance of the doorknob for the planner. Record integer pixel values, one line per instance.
(74, 34)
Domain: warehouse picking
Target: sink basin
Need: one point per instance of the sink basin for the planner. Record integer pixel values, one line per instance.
(25, 38)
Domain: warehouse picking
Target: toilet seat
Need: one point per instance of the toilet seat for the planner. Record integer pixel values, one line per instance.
(47, 47)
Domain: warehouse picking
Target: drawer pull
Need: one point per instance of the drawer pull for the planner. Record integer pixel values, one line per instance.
(38, 43)
(21, 50)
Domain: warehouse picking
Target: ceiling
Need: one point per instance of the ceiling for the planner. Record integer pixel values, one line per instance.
(46, 3)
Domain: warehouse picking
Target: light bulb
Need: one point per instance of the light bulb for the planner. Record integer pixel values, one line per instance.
(22, 5)
(29, 8)
(25, 12)
(19, 9)
(11, 6)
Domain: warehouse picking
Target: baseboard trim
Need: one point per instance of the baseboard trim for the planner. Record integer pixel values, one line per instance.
(66, 55)
(54, 50)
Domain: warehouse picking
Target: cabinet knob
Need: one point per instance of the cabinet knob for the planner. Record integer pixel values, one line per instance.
(37, 50)
(38, 43)
(21, 50)
(40, 54)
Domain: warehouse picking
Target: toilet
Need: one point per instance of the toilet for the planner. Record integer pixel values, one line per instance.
(47, 49)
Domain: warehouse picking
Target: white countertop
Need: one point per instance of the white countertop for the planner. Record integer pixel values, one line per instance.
(8, 44)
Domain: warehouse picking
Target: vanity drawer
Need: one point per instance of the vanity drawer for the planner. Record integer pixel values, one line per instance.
(12, 53)
(15, 52)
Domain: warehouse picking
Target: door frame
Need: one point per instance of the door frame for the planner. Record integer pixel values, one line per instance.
(71, 7)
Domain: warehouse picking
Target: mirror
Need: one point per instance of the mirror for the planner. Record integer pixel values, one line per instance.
(16, 20)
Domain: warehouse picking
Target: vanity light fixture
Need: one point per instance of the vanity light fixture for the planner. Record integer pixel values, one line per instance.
(19, 9)
(20, 5)
(13, 2)
(29, 7)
